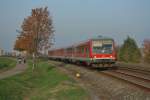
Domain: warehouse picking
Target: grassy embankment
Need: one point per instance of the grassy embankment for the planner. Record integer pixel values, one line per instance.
(46, 82)
(6, 63)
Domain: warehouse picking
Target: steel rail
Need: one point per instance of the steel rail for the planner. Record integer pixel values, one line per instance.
(111, 74)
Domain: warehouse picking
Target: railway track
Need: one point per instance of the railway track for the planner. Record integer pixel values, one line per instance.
(136, 70)
(136, 77)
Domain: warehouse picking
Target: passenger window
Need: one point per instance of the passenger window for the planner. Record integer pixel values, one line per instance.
(87, 52)
(82, 50)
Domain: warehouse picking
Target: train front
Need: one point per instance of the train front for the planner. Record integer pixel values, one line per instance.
(103, 51)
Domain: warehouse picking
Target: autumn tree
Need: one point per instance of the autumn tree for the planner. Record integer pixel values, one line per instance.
(129, 51)
(36, 32)
(146, 50)
(18, 45)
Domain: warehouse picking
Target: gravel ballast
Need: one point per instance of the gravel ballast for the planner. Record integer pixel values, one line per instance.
(100, 86)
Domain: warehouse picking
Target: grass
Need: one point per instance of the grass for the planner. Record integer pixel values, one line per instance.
(45, 82)
(6, 63)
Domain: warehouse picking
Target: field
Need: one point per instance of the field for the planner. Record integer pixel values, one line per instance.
(6, 63)
(45, 82)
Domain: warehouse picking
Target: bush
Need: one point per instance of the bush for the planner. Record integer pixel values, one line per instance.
(147, 50)
(129, 51)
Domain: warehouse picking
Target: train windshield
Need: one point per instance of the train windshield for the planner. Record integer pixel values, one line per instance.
(102, 47)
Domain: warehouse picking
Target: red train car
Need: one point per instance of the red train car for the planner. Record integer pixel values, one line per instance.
(100, 50)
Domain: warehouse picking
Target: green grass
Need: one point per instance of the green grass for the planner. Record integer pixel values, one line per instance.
(45, 82)
(6, 63)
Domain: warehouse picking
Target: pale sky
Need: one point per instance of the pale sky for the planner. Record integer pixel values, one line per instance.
(78, 20)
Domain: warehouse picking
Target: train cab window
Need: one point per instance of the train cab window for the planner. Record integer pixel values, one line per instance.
(104, 47)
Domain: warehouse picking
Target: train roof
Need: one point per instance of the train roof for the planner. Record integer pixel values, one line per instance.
(82, 42)
(101, 38)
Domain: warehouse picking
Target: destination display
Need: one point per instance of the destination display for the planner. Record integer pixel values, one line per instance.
(101, 42)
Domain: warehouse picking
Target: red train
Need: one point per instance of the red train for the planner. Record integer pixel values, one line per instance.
(99, 50)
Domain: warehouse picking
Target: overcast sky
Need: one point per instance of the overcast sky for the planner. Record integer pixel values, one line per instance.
(77, 20)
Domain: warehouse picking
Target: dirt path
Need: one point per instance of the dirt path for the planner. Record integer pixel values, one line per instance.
(16, 70)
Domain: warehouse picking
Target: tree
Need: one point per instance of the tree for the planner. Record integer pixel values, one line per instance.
(129, 51)
(36, 32)
(146, 50)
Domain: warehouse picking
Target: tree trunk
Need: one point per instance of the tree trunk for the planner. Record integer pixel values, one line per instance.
(34, 63)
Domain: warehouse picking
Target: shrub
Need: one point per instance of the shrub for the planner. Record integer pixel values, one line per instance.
(129, 51)
(146, 50)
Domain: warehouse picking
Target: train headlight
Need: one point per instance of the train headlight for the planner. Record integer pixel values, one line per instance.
(111, 56)
(94, 56)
